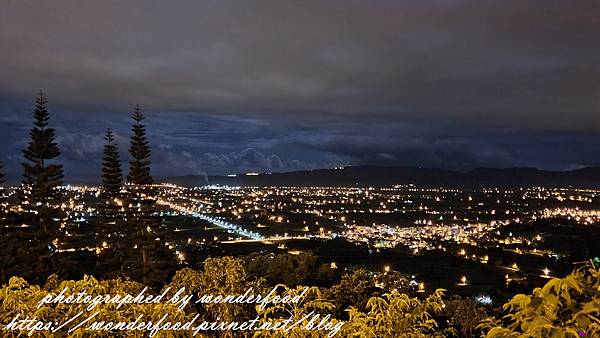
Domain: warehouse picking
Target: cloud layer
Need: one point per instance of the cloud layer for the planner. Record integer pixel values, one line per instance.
(281, 85)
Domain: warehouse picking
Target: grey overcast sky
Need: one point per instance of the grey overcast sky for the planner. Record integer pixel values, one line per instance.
(276, 85)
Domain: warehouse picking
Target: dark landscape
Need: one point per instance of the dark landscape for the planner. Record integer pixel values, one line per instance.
(365, 176)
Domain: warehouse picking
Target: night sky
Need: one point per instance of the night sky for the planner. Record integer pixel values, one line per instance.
(235, 86)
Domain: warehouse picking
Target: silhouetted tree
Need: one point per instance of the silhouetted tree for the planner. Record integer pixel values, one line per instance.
(2, 179)
(139, 165)
(38, 174)
(145, 256)
(354, 289)
(36, 249)
(112, 176)
(110, 243)
(288, 269)
(465, 315)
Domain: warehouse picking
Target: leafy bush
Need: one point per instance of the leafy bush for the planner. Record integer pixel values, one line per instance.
(396, 315)
(18, 298)
(564, 307)
(464, 315)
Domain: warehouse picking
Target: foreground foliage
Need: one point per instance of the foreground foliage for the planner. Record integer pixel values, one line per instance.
(567, 307)
(564, 307)
(396, 315)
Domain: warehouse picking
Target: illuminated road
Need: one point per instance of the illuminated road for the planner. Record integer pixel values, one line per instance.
(217, 221)
(230, 227)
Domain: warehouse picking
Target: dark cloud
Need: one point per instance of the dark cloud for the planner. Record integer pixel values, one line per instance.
(281, 85)
(191, 144)
(513, 62)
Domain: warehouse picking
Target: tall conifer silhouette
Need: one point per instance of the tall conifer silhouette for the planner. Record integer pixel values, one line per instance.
(2, 179)
(139, 165)
(112, 176)
(41, 175)
(38, 173)
(110, 245)
(143, 230)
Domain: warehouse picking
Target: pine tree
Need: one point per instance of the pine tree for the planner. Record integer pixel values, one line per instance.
(139, 166)
(39, 245)
(38, 174)
(112, 176)
(112, 179)
(2, 179)
(109, 240)
(146, 257)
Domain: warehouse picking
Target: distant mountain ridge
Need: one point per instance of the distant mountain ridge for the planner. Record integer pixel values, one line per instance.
(379, 176)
